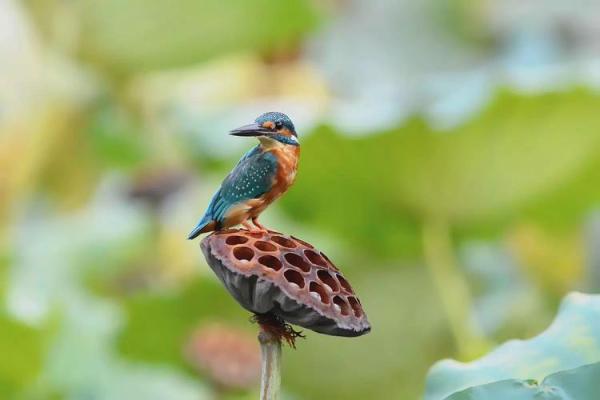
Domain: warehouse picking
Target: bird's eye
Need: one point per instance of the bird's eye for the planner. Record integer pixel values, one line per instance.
(278, 125)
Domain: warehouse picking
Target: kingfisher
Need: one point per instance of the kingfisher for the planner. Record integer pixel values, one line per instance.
(261, 176)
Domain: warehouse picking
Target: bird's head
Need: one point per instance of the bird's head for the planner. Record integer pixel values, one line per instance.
(271, 127)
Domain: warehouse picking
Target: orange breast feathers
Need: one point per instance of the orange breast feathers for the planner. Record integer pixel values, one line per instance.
(287, 157)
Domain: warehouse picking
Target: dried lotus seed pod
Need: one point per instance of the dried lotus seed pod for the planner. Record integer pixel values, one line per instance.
(270, 273)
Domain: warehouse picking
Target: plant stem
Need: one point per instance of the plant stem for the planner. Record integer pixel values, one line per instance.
(270, 379)
(451, 287)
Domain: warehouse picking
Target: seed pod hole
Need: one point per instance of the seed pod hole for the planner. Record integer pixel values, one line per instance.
(296, 261)
(264, 246)
(235, 239)
(243, 253)
(344, 283)
(319, 291)
(355, 306)
(284, 242)
(315, 258)
(327, 279)
(293, 276)
(344, 307)
(270, 262)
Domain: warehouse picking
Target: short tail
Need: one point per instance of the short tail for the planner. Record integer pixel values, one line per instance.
(205, 225)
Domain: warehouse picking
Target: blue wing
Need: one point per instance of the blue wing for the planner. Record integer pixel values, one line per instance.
(251, 178)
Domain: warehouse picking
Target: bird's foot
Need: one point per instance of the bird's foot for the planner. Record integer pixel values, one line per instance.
(253, 229)
(260, 227)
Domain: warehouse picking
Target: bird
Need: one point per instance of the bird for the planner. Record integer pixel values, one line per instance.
(260, 177)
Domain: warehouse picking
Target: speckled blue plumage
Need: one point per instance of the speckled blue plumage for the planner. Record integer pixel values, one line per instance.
(277, 118)
(251, 178)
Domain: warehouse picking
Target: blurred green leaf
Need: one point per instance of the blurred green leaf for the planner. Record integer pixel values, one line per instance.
(22, 353)
(568, 203)
(139, 35)
(159, 323)
(520, 147)
(376, 190)
(115, 139)
(579, 383)
(571, 341)
(379, 365)
(5, 262)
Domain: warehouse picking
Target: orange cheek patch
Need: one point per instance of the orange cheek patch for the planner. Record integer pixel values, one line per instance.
(268, 125)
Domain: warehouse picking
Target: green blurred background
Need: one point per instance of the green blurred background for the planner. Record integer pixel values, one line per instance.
(450, 166)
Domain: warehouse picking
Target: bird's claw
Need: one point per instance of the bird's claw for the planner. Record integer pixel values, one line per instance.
(255, 229)
(260, 227)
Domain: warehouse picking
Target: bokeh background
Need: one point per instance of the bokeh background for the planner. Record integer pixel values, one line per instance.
(450, 167)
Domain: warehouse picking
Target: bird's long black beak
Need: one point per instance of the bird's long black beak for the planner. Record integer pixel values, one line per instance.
(250, 130)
